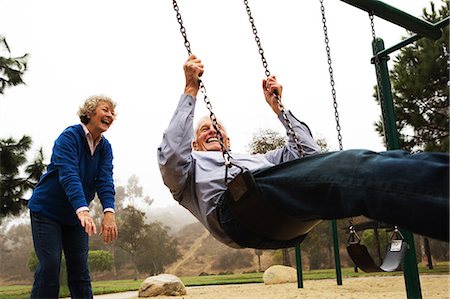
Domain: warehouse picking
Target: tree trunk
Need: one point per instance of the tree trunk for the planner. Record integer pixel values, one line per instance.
(426, 244)
(286, 257)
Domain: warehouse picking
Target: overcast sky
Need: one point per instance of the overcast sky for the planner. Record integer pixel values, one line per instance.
(133, 52)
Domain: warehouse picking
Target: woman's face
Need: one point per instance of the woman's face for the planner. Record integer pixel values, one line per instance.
(102, 118)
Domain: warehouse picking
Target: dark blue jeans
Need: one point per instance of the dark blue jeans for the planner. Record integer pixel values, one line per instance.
(50, 238)
(395, 187)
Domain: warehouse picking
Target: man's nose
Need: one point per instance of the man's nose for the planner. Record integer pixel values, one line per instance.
(212, 130)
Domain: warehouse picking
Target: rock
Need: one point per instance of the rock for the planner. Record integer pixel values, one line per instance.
(163, 284)
(279, 274)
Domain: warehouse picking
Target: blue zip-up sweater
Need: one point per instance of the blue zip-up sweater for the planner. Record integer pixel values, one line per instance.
(73, 177)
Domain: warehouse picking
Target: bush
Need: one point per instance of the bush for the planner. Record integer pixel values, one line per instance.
(100, 260)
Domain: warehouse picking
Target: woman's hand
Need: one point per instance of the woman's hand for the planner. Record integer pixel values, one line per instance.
(87, 222)
(109, 227)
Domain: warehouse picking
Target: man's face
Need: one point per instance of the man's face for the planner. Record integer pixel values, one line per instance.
(206, 138)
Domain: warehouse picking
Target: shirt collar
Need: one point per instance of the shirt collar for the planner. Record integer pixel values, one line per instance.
(89, 135)
(91, 144)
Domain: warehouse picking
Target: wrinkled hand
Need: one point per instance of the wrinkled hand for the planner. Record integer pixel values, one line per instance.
(193, 69)
(271, 86)
(87, 222)
(109, 227)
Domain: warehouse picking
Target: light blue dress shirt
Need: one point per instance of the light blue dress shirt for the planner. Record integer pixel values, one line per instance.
(196, 179)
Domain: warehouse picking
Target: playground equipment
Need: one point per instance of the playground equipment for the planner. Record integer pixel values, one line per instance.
(402, 241)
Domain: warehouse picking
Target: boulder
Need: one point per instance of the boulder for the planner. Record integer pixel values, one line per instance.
(163, 284)
(279, 274)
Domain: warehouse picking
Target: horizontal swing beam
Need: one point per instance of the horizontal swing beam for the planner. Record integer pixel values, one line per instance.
(415, 37)
(398, 17)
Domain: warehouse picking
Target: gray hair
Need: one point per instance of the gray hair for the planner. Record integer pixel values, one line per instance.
(91, 104)
(201, 120)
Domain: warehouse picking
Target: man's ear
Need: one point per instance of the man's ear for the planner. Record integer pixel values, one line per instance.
(194, 145)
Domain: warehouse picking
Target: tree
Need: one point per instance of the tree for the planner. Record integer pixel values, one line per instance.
(134, 193)
(11, 68)
(132, 231)
(159, 249)
(35, 170)
(148, 245)
(266, 140)
(100, 261)
(258, 253)
(12, 185)
(420, 79)
(15, 246)
(233, 259)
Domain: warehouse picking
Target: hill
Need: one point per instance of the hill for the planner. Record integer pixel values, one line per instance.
(202, 254)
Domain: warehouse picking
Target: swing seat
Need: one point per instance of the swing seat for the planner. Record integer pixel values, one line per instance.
(362, 258)
(394, 256)
(395, 253)
(261, 218)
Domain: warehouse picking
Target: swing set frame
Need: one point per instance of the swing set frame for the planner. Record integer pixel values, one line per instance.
(422, 29)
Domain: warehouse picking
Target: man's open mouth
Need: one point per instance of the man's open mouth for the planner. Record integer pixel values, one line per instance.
(212, 139)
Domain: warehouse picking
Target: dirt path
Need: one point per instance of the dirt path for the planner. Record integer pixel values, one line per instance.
(433, 287)
(197, 244)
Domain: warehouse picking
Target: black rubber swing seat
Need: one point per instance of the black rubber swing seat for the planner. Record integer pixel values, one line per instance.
(259, 216)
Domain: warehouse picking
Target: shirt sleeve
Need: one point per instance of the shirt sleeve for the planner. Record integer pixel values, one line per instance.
(289, 151)
(175, 151)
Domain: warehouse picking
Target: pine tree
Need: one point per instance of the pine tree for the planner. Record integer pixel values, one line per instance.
(420, 78)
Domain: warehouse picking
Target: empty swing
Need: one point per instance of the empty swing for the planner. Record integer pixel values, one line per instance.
(397, 247)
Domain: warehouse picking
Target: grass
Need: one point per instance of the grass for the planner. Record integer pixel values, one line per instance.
(115, 286)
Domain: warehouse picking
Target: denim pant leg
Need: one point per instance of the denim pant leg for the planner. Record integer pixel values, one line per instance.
(76, 249)
(48, 247)
(411, 191)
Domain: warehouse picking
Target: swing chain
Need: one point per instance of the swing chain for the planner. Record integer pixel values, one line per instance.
(182, 29)
(212, 116)
(290, 130)
(330, 71)
(380, 95)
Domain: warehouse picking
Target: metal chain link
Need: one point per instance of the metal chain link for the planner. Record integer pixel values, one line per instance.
(378, 71)
(330, 71)
(353, 237)
(212, 116)
(288, 123)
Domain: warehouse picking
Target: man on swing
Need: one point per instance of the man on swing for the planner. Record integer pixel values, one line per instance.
(282, 196)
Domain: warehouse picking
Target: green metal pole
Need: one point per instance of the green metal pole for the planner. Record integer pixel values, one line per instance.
(397, 16)
(337, 257)
(298, 260)
(410, 271)
(441, 24)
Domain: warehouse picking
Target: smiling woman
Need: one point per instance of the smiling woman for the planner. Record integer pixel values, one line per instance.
(97, 114)
(80, 167)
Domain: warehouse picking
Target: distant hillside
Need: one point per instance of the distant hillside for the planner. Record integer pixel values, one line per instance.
(174, 216)
(203, 254)
(200, 252)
